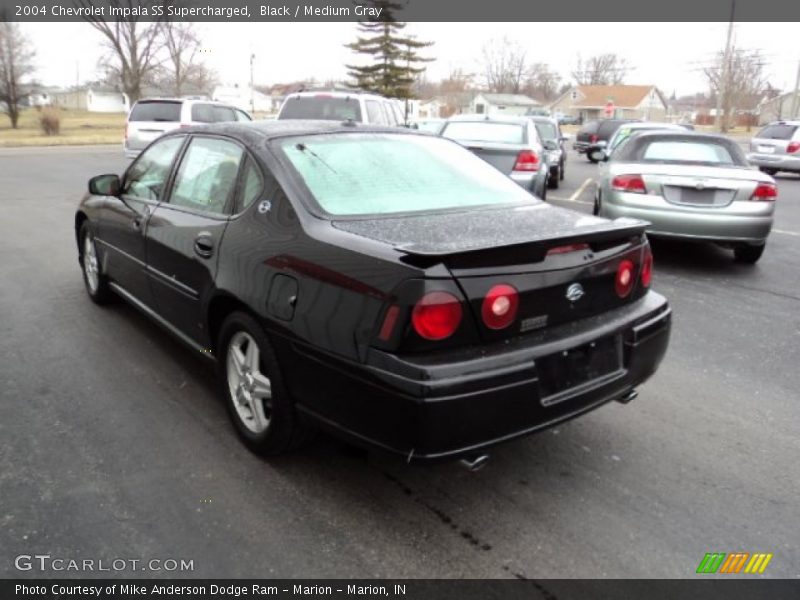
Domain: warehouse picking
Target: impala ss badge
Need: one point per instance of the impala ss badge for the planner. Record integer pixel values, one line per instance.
(575, 292)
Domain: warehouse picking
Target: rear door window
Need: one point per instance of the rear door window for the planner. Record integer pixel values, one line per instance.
(778, 131)
(156, 111)
(375, 113)
(207, 176)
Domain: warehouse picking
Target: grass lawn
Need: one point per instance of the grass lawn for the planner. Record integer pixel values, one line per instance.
(77, 128)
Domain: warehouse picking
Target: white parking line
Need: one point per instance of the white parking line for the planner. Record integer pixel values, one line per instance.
(576, 194)
(795, 233)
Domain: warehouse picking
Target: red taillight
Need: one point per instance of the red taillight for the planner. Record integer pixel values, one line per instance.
(629, 183)
(184, 125)
(793, 147)
(389, 321)
(765, 192)
(527, 161)
(647, 267)
(623, 282)
(436, 316)
(593, 139)
(500, 306)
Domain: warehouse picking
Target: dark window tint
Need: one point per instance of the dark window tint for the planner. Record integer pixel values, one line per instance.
(608, 128)
(546, 130)
(211, 113)
(590, 127)
(156, 111)
(147, 176)
(777, 132)
(321, 107)
(207, 175)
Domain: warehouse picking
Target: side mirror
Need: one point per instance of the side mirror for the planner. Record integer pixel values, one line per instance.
(551, 145)
(105, 185)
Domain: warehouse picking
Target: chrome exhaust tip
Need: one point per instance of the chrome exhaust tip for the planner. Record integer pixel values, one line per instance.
(632, 395)
(475, 463)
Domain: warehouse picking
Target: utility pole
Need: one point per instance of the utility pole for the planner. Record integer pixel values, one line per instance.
(796, 96)
(722, 88)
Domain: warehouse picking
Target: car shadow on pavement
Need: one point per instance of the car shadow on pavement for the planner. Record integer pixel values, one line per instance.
(694, 257)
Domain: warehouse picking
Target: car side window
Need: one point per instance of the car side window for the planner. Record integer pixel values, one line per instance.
(242, 116)
(207, 175)
(252, 185)
(374, 112)
(148, 175)
(390, 114)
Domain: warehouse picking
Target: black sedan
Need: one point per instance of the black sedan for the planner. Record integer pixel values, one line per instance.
(385, 285)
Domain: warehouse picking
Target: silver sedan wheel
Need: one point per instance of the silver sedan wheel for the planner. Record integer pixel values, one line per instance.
(90, 264)
(250, 389)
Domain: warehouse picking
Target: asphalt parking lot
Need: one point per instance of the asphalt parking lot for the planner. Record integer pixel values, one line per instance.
(115, 445)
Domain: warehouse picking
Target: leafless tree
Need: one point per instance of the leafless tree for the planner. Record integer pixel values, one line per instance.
(16, 63)
(541, 82)
(503, 65)
(746, 81)
(454, 90)
(183, 67)
(132, 44)
(602, 69)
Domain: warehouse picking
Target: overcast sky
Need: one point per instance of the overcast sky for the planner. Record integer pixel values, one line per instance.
(670, 55)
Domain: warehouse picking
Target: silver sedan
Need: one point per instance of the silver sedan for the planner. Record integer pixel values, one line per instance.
(690, 186)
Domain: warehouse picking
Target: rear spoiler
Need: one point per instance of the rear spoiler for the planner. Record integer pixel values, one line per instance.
(535, 250)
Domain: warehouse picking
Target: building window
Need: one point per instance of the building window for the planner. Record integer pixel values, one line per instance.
(479, 108)
(574, 95)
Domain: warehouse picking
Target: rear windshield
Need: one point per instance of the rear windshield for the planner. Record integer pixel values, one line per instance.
(590, 127)
(156, 111)
(369, 174)
(212, 113)
(484, 131)
(327, 108)
(682, 151)
(777, 132)
(546, 130)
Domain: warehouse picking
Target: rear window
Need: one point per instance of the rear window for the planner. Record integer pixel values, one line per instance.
(777, 132)
(156, 111)
(327, 108)
(607, 128)
(484, 131)
(367, 174)
(703, 152)
(212, 113)
(590, 127)
(547, 131)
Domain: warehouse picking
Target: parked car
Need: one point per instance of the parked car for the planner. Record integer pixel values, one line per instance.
(432, 125)
(510, 144)
(342, 105)
(629, 129)
(152, 117)
(691, 186)
(385, 285)
(555, 153)
(776, 148)
(595, 135)
(568, 120)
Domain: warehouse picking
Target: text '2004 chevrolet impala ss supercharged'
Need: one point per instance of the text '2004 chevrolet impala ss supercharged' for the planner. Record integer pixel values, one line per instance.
(384, 285)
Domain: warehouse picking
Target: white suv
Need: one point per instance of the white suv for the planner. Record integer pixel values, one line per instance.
(152, 117)
(343, 105)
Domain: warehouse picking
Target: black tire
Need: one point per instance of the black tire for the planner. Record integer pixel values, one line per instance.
(552, 180)
(768, 171)
(747, 254)
(98, 292)
(591, 157)
(543, 195)
(596, 207)
(561, 171)
(284, 431)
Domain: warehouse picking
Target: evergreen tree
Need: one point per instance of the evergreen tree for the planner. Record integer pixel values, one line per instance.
(395, 61)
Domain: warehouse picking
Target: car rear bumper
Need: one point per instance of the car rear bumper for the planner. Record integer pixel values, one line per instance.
(738, 222)
(781, 162)
(428, 408)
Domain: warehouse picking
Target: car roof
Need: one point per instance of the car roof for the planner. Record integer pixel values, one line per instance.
(190, 100)
(476, 118)
(680, 134)
(336, 94)
(267, 130)
(654, 125)
(542, 119)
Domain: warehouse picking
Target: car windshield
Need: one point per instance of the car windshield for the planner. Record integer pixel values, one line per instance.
(323, 107)
(366, 174)
(546, 130)
(156, 111)
(685, 151)
(484, 131)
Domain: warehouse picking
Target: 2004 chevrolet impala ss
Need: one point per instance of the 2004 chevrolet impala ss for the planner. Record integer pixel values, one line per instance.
(385, 285)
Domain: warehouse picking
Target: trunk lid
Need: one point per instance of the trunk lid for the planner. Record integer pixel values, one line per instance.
(539, 249)
(503, 157)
